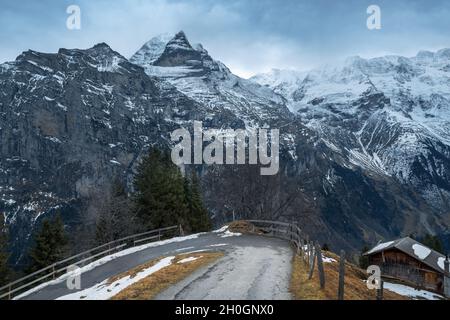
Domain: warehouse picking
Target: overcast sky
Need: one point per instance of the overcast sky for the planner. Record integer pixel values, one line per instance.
(249, 36)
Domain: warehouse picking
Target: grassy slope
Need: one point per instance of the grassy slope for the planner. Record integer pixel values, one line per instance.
(355, 288)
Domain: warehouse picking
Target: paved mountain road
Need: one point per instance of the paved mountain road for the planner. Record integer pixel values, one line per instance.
(253, 267)
(244, 273)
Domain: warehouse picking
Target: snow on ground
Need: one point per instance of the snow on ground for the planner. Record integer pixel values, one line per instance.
(420, 251)
(228, 233)
(221, 230)
(326, 259)
(189, 259)
(411, 292)
(225, 233)
(106, 259)
(105, 290)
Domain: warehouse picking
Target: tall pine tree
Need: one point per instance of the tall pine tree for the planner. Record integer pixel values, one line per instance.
(4, 255)
(159, 199)
(198, 217)
(50, 244)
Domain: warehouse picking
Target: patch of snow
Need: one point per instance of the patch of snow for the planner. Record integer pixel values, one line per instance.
(105, 290)
(381, 246)
(39, 66)
(326, 259)
(420, 251)
(440, 263)
(411, 292)
(62, 106)
(190, 259)
(10, 202)
(53, 139)
(228, 233)
(115, 162)
(223, 229)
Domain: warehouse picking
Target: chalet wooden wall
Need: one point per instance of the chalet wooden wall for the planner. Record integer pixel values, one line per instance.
(396, 264)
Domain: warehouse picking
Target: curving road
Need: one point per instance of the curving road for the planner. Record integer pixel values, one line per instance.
(253, 267)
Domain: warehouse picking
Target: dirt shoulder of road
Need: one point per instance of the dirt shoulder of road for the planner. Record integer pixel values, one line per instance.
(182, 266)
(244, 227)
(355, 288)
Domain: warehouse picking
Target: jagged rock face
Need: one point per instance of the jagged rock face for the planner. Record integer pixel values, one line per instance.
(69, 123)
(72, 122)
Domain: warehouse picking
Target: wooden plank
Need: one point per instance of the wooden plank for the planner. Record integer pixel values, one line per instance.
(320, 266)
(341, 275)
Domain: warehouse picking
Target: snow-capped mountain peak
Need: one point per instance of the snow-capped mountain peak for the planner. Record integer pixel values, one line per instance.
(151, 50)
(179, 42)
(194, 72)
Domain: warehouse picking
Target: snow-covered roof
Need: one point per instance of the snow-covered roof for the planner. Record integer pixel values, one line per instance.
(415, 249)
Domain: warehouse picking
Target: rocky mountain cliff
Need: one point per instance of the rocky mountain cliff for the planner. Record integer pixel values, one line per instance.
(73, 121)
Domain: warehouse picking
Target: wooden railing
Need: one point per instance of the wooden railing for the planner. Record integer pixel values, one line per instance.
(60, 268)
(303, 245)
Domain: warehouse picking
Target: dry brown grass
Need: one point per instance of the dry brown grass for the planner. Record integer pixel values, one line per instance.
(149, 287)
(244, 227)
(354, 289)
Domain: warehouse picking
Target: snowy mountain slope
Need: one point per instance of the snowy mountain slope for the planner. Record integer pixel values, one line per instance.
(192, 71)
(389, 115)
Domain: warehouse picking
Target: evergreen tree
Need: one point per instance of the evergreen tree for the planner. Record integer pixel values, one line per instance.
(50, 244)
(4, 255)
(198, 216)
(160, 198)
(116, 219)
(433, 242)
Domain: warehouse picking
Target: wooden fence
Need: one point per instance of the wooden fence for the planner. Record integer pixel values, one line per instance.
(60, 268)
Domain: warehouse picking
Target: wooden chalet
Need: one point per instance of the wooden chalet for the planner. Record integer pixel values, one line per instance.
(408, 261)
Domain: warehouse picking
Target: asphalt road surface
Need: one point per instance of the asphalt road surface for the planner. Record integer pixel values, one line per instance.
(253, 267)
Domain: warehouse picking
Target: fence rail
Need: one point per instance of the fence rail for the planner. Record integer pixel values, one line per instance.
(59, 268)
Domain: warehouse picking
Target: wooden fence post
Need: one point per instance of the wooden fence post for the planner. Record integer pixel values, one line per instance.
(312, 262)
(380, 290)
(447, 277)
(181, 231)
(341, 275)
(320, 266)
(291, 231)
(311, 256)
